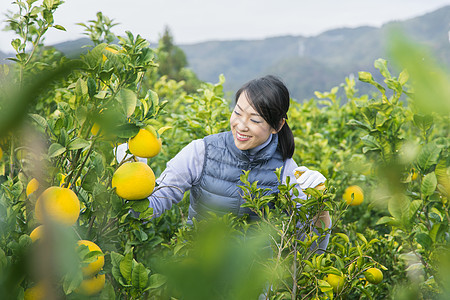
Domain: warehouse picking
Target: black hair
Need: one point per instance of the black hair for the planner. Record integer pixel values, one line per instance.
(269, 96)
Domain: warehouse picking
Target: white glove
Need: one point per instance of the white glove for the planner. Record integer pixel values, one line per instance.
(307, 178)
(121, 153)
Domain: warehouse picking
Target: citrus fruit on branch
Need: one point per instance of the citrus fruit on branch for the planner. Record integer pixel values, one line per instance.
(133, 181)
(95, 266)
(353, 195)
(145, 143)
(60, 205)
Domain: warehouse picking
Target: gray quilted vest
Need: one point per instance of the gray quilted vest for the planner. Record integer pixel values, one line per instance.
(217, 190)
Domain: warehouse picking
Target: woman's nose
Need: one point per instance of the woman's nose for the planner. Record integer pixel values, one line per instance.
(242, 124)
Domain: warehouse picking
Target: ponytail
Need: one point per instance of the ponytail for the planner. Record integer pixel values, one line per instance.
(286, 141)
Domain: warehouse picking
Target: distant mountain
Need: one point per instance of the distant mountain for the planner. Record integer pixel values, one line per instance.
(306, 64)
(318, 63)
(3, 56)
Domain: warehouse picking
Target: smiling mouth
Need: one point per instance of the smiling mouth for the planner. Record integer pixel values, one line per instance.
(241, 137)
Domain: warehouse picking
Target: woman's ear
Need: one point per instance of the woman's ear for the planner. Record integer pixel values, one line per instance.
(282, 122)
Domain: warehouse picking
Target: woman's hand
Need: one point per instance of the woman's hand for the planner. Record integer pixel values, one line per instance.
(307, 178)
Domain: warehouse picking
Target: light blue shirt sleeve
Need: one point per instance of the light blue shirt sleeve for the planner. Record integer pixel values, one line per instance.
(181, 173)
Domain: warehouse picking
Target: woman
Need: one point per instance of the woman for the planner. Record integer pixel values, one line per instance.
(260, 140)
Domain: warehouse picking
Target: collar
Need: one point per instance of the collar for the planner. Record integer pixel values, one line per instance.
(262, 152)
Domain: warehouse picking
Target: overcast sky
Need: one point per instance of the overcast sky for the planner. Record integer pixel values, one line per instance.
(194, 21)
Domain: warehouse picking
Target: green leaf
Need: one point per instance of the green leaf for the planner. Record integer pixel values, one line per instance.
(126, 266)
(359, 124)
(423, 122)
(139, 277)
(140, 205)
(324, 286)
(413, 208)
(398, 205)
(424, 240)
(116, 258)
(371, 144)
(126, 130)
(365, 77)
(50, 3)
(434, 231)
(362, 237)
(108, 292)
(39, 120)
(403, 77)
(381, 65)
(59, 27)
(92, 87)
(78, 143)
(343, 236)
(157, 280)
(429, 184)
(127, 98)
(81, 87)
(72, 280)
(153, 98)
(428, 156)
(144, 106)
(55, 149)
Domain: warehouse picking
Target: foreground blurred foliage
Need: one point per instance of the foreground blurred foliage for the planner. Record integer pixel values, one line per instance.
(393, 144)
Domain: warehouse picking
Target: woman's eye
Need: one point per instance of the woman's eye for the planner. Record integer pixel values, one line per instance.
(255, 121)
(237, 113)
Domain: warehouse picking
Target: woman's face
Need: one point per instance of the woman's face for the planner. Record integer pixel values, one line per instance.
(248, 126)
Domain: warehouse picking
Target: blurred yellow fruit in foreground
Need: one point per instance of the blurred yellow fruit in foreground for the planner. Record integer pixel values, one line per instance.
(1, 153)
(336, 281)
(61, 205)
(36, 233)
(134, 181)
(144, 144)
(374, 275)
(36, 292)
(94, 267)
(32, 186)
(353, 195)
(95, 129)
(91, 286)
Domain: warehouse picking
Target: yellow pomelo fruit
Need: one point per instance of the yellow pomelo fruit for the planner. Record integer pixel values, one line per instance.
(134, 181)
(94, 267)
(353, 195)
(336, 281)
(36, 233)
(36, 292)
(414, 174)
(32, 186)
(373, 275)
(1, 153)
(61, 205)
(91, 286)
(144, 144)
